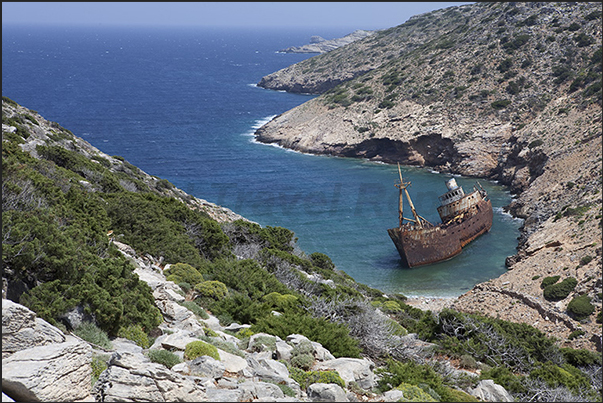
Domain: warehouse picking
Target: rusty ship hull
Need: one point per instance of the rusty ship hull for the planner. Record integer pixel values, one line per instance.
(427, 245)
(464, 218)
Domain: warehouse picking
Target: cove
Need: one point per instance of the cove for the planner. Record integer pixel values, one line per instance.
(182, 104)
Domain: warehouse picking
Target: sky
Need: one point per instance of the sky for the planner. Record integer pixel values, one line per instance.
(355, 15)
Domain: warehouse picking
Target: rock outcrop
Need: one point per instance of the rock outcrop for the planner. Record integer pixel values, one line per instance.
(320, 45)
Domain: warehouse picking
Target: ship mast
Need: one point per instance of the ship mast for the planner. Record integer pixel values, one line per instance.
(419, 221)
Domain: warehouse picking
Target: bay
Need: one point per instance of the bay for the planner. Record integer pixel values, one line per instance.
(182, 104)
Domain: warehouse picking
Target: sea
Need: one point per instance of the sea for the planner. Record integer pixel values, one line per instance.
(182, 104)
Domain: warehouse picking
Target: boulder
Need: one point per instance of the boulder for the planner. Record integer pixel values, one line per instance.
(393, 395)
(259, 390)
(51, 372)
(75, 317)
(269, 369)
(488, 391)
(207, 367)
(351, 369)
(177, 340)
(320, 353)
(21, 329)
(283, 351)
(326, 392)
(232, 363)
(223, 395)
(132, 377)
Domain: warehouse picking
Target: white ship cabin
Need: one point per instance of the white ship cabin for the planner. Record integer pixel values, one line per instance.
(455, 192)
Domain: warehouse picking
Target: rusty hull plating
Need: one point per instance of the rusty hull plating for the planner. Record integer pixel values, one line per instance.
(464, 218)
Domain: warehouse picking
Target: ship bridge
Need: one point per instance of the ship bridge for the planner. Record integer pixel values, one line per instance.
(455, 192)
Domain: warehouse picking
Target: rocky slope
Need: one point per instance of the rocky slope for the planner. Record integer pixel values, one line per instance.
(41, 363)
(505, 91)
(320, 45)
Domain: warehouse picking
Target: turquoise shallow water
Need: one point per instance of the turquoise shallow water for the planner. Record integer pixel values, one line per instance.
(182, 104)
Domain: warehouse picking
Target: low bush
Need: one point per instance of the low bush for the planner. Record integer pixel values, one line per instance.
(183, 273)
(99, 364)
(559, 291)
(93, 334)
(549, 281)
(565, 375)
(581, 357)
(136, 334)
(302, 355)
(334, 337)
(306, 378)
(164, 357)
(212, 289)
(580, 307)
(196, 349)
(413, 393)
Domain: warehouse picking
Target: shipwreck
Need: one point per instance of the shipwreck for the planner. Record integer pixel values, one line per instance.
(464, 218)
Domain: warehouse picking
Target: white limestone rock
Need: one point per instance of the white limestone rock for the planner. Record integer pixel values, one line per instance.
(21, 329)
(132, 377)
(326, 392)
(52, 372)
(488, 391)
(351, 369)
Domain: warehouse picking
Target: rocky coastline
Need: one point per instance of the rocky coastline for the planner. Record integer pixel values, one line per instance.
(320, 45)
(480, 104)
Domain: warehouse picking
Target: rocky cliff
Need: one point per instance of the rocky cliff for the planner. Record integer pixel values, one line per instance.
(505, 91)
(320, 45)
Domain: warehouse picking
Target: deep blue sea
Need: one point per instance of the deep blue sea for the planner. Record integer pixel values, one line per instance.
(182, 104)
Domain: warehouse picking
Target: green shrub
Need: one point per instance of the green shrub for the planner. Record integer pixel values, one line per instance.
(247, 277)
(575, 334)
(504, 377)
(321, 260)
(334, 337)
(164, 357)
(566, 375)
(559, 291)
(136, 334)
(500, 104)
(306, 378)
(281, 302)
(244, 333)
(183, 273)
(421, 375)
(581, 357)
(303, 361)
(99, 364)
(302, 355)
(93, 334)
(413, 393)
(264, 343)
(196, 349)
(212, 289)
(549, 281)
(580, 307)
(585, 260)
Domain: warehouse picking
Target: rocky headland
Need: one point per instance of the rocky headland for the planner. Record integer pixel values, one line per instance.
(490, 90)
(320, 45)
